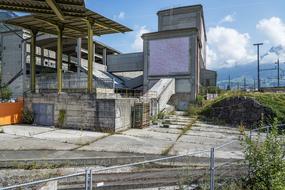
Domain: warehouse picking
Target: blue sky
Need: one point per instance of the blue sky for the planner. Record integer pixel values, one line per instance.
(232, 25)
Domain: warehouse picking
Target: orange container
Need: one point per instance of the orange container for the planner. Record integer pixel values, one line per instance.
(11, 113)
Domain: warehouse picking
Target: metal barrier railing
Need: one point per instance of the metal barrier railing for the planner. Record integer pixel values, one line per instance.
(76, 84)
(88, 172)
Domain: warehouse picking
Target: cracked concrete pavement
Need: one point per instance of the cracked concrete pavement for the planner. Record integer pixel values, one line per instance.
(152, 140)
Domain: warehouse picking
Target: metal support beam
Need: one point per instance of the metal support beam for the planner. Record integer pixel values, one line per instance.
(90, 56)
(24, 54)
(104, 56)
(59, 58)
(78, 49)
(54, 6)
(33, 61)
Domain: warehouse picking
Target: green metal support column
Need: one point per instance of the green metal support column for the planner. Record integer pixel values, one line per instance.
(59, 58)
(33, 61)
(90, 56)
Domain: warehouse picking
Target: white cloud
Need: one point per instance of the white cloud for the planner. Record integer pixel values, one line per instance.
(228, 47)
(138, 42)
(274, 29)
(120, 16)
(228, 18)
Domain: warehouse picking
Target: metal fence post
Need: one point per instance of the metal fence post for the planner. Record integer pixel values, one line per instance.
(250, 134)
(212, 169)
(88, 179)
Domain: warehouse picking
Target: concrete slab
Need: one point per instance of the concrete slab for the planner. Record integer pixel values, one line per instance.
(216, 135)
(130, 144)
(216, 129)
(6, 137)
(200, 140)
(25, 130)
(26, 143)
(164, 130)
(207, 125)
(71, 136)
(151, 134)
(184, 148)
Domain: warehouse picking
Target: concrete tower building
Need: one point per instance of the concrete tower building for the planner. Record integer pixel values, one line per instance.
(177, 50)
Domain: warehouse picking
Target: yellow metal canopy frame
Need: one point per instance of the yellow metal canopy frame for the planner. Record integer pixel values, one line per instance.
(68, 18)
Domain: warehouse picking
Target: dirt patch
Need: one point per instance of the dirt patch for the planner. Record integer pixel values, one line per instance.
(238, 110)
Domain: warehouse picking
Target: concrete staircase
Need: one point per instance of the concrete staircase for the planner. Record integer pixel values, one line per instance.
(160, 94)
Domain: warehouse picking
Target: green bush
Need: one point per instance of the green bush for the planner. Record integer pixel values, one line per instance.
(265, 160)
(161, 115)
(5, 93)
(27, 117)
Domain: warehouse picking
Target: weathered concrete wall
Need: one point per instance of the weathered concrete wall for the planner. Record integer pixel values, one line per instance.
(125, 62)
(85, 112)
(180, 101)
(172, 19)
(11, 51)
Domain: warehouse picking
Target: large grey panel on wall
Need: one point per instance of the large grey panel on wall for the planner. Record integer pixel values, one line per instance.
(44, 114)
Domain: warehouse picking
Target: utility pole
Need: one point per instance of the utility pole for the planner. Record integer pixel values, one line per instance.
(278, 72)
(258, 64)
(229, 83)
(244, 84)
(254, 85)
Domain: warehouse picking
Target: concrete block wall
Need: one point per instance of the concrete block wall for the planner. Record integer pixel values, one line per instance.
(85, 112)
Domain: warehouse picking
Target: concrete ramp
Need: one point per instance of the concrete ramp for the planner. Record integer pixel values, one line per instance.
(160, 94)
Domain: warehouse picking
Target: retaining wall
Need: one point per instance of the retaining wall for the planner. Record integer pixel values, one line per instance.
(84, 111)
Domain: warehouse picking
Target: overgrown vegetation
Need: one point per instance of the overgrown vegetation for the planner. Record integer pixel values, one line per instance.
(61, 118)
(210, 90)
(265, 160)
(5, 92)
(27, 116)
(197, 107)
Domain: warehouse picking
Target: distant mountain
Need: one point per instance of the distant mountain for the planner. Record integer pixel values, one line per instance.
(247, 73)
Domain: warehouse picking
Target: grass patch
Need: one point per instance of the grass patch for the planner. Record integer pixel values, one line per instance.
(166, 151)
(187, 128)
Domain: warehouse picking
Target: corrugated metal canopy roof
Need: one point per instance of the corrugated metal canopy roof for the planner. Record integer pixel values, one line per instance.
(73, 26)
(68, 7)
(71, 14)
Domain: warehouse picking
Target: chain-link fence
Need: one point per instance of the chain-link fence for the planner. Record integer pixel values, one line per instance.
(216, 168)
